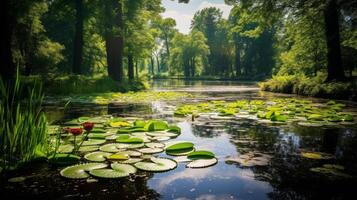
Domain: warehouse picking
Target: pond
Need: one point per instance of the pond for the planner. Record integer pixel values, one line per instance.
(257, 159)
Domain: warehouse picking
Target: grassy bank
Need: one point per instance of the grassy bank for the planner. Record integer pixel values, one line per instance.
(80, 84)
(315, 87)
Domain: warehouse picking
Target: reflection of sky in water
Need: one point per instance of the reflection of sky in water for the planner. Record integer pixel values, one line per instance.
(221, 181)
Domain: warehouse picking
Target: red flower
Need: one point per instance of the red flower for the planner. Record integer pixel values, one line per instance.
(75, 131)
(88, 126)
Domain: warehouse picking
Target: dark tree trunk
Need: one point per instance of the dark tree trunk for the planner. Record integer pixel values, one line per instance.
(114, 41)
(187, 68)
(193, 67)
(7, 67)
(334, 61)
(130, 67)
(167, 45)
(114, 49)
(152, 65)
(136, 69)
(237, 61)
(158, 64)
(78, 39)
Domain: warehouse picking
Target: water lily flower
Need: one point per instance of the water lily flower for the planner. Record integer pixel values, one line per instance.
(75, 131)
(88, 126)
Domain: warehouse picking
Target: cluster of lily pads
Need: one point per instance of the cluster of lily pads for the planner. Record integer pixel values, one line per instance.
(305, 112)
(117, 147)
(116, 97)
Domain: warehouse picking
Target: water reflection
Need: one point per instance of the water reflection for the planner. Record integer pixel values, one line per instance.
(286, 175)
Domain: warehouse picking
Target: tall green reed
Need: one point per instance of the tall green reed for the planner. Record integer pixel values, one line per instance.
(23, 124)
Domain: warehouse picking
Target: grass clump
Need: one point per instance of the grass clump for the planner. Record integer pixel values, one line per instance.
(23, 125)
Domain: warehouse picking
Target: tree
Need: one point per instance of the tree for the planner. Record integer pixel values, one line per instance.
(114, 38)
(78, 38)
(268, 12)
(7, 69)
(206, 21)
(188, 52)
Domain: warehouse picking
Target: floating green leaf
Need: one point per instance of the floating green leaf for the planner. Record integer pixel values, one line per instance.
(151, 150)
(155, 145)
(156, 165)
(200, 155)
(200, 163)
(91, 142)
(174, 129)
(97, 156)
(80, 171)
(180, 146)
(88, 148)
(156, 125)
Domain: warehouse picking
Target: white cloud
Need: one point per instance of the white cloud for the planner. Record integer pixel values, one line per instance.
(183, 20)
(223, 7)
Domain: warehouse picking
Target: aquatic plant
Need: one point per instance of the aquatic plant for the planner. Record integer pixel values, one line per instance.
(156, 165)
(201, 163)
(81, 171)
(23, 125)
(118, 171)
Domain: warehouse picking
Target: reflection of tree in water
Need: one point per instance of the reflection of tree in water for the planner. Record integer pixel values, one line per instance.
(208, 129)
(48, 184)
(290, 174)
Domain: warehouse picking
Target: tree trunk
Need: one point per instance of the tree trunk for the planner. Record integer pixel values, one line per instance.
(152, 65)
(158, 64)
(237, 63)
(193, 67)
(136, 69)
(114, 49)
(334, 61)
(114, 41)
(78, 39)
(130, 67)
(167, 45)
(7, 67)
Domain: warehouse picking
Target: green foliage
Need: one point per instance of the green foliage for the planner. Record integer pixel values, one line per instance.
(316, 86)
(23, 125)
(80, 84)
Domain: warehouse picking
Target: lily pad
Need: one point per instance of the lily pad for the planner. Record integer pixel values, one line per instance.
(131, 160)
(161, 134)
(129, 140)
(80, 171)
(119, 156)
(157, 165)
(180, 152)
(91, 142)
(155, 145)
(151, 150)
(316, 155)
(201, 163)
(88, 148)
(156, 125)
(67, 148)
(17, 179)
(200, 155)
(97, 156)
(179, 146)
(111, 148)
(118, 124)
(118, 171)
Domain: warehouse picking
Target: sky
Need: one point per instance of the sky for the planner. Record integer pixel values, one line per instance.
(183, 13)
